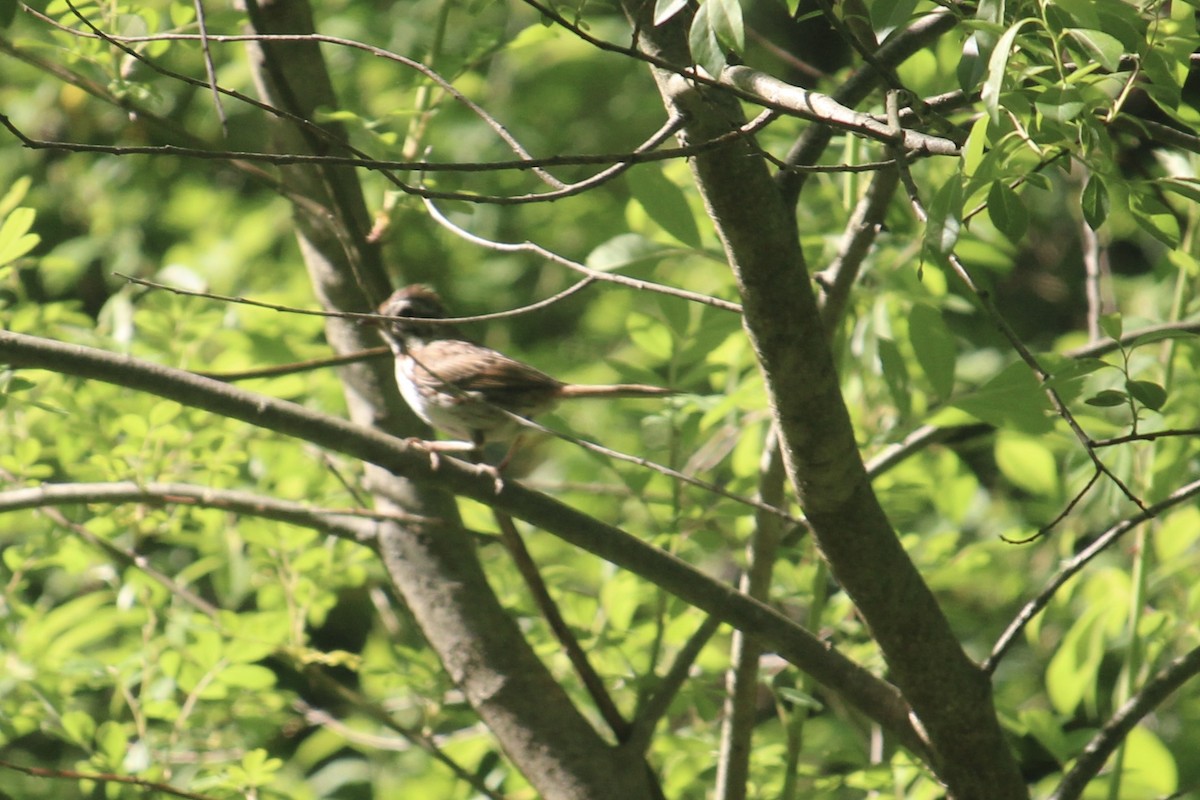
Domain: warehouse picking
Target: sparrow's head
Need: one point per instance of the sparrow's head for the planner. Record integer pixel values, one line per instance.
(409, 306)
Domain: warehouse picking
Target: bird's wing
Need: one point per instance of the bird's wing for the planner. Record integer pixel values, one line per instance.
(473, 368)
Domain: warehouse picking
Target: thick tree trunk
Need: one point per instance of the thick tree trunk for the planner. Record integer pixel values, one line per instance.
(949, 694)
(433, 567)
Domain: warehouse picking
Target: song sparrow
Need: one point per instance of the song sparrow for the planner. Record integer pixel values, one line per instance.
(467, 390)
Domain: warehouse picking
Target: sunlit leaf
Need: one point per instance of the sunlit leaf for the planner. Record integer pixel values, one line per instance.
(664, 202)
(664, 10)
(704, 42)
(934, 347)
(1094, 202)
(1104, 48)
(1027, 462)
(1007, 211)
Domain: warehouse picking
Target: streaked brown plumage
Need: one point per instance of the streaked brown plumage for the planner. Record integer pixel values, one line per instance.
(463, 388)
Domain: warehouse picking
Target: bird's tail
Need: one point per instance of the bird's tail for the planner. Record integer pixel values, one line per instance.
(572, 390)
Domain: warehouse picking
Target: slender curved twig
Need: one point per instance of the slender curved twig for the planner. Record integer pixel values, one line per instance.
(1078, 562)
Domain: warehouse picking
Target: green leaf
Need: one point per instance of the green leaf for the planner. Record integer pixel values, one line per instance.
(1148, 393)
(945, 218)
(997, 67)
(1107, 398)
(111, 742)
(726, 16)
(1060, 104)
(895, 375)
(18, 384)
(15, 194)
(1095, 202)
(893, 14)
(990, 11)
(1026, 462)
(650, 336)
(620, 599)
(1012, 399)
(1082, 12)
(798, 698)
(15, 239)
(1071, 674)
(625, 250)
(1111, 325)
(1185, 187)
(79, 727)
(1150, 768)
(664, 202)
(8, 12)
(247, 676)
(1154, 218)
(1104, 48)
(704, 42)
(934, 347)
(665, 9)
(1007, 211)
(975, 147)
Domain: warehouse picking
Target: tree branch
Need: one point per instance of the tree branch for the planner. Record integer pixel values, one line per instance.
(357, 525)
(1078, 562)
(1106, 740)
(875, 698)
(949, 694)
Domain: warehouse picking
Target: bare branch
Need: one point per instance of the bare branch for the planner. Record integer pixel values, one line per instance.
(364, 317)
(1078, 562)
(1152, 694)
(353, 524)
(648, 717)
(1129, 338)
(592, 274)
(876, 698)
(742, 679)
(788, 99)
(210, 71)
(529, 573)
(104, 778)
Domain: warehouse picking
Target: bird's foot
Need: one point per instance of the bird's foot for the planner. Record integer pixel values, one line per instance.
(434, 447)
(497, 478)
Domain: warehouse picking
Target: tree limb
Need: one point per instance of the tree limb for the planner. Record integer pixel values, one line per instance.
(877, 699)
(1106, 740)
(949, 694)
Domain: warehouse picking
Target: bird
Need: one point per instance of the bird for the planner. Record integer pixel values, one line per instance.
(469, 391)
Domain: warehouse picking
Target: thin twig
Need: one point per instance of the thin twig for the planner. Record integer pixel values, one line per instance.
(103, 778)
(350, 523)
(656, 467)
(365, 317)
(1147, 437)
(210, 72)
(592, 681)
(1151, 332)
(1078, 562)
(308, 365)
(1052, 524)
(989, 308)
(669, 685)
(593, 274)
(320, 718)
